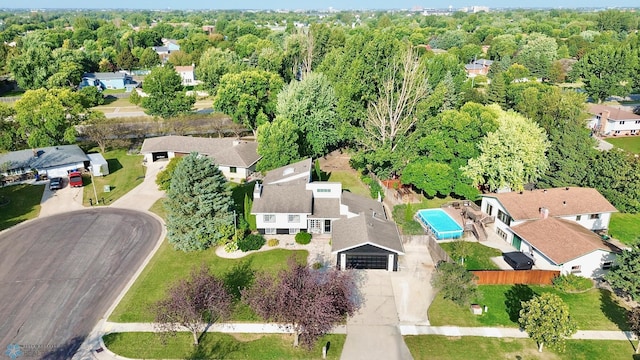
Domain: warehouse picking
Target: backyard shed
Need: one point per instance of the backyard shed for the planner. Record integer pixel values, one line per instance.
(99, 166)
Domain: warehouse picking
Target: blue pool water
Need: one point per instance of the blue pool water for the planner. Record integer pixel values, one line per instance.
(440, 223)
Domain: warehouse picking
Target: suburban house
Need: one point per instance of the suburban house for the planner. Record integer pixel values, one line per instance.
(187, 74)
(235, 158)
(288, 201)
(52, 161)
(556, 227)
(613, 121)
(108, 80)
(478, 67)
(168, 46)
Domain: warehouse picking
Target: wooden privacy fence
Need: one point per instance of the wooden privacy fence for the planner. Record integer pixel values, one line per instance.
(512, 277)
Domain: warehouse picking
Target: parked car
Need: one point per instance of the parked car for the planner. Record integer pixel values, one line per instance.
(75, 179)
(55, 183)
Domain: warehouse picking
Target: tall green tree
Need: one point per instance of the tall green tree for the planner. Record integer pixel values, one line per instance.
(277, 144)
(214, 63)
(249, 97)
(9, 135)
(455, 282)
(310, 105)
(607, 70)
(166, 97)
(536, 54)
(199, 205)
(149, 58)
(547, 321)
(616, 175)
(510, 156)
(625, 275)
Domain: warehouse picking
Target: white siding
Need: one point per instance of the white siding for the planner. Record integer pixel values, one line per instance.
(627, 126)
(239, 175)
(326, 190)
(498, 225)
(282, 221)
(61, 171)
(591, 224)
(590, 264)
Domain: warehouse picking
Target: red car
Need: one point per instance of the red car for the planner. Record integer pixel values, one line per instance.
(75, 179)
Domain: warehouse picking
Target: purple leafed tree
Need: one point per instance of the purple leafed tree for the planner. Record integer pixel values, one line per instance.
(193, 303)
(309, 302)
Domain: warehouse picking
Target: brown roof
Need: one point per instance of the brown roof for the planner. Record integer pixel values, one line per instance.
(561, 240)
(525, 205)
(615, 113)
(365, 229)
(224, 151)
(184, 68)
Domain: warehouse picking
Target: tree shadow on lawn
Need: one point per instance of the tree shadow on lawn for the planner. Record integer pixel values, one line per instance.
(216, 349)
(612, 309)
(514, 298)
(240, 277)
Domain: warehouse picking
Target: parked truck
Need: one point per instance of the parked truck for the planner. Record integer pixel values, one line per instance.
(75, 179)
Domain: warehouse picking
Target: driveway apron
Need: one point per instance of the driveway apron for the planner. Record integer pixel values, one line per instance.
(373, 332)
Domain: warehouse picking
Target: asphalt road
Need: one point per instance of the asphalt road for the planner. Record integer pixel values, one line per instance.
(59, 274)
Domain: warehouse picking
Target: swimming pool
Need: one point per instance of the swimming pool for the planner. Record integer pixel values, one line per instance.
(439, 223)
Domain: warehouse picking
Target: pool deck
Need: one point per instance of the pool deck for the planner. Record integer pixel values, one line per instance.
(453, 213)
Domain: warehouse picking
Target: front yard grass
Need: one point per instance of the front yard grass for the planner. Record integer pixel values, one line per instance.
(596, 309)
(350, 182)
(19, 203)
(625, 227)
(220, 346)
(169, 265)
(631, 144)
(434, 347)
(478, 255)
(125, 173)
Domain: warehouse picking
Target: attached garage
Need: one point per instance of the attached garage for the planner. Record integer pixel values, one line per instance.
(366, 242)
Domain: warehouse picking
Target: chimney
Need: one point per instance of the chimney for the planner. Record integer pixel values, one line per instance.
(257, 190)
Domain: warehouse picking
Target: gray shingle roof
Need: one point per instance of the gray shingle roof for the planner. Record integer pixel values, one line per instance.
(363, 229)
(283, 198)
(105, 75)
(326, 208)
(48, 157)
(360, 204)
(224, 151)
(298, 172)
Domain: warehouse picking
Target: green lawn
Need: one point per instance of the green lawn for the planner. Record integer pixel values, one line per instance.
(478, 255)
(125, 173)
(220, 346)
(631, 144)
(595, 309)
(403, 214)
(169, 265)
(158, 209)
(625, 227)
(19, 203)
(350, 182)
(433, 347)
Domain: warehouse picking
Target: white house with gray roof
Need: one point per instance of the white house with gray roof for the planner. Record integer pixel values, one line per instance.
(235, 158)
(52, 161)
(288, 201)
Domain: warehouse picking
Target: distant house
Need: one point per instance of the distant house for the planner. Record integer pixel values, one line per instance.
(187, 74)
(171, 44)
(613, 121)
(288, 201)
(235, 158)
(556, 227)
(107, 80)
(52, 161)
(478, 67)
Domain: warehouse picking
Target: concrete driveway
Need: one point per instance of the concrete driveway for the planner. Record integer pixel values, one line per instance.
(59, 274)
(373, 332)
(60, 201)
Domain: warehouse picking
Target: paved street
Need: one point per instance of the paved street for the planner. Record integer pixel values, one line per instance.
(59, 274)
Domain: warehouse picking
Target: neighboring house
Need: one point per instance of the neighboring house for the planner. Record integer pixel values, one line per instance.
(187, 74)
(556, 227)
(478, 67)
(114, 80)
(235, 158)
(52, 161)
(171, 44)
(288, 201)
(613, 121)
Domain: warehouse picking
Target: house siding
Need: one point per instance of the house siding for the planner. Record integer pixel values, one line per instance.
(281, 222)
(590, 264)
(498, 225)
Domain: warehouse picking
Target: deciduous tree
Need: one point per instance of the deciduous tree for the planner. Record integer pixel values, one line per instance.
(547, 321)
(199, 205)
(309, 302)
(633, 320)
(166, 93)
(194, 304)
(277, 144)
(455, 283)
(214, 63)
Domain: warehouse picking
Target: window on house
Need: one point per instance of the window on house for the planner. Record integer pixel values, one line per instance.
(594, 216)
(504, 217)
(270, 231)
(637, 121)
(607, 265)
(293, 231)
(294, 218)
(578, 217)
(621, 122)
(233, 169)
(501, 233)
(324, 190)
(269, 218)
(575, 269)
(616, 132)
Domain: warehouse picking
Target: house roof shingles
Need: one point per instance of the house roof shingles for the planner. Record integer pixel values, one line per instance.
(526, 205)
(615, 114)
(326, 208)
(47, 157)
(359, 204)
(299, 172)
(224, 151)
(365, 229)
(561, 240)
(283, 198)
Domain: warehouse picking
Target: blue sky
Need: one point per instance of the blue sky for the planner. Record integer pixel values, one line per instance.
(307, 4)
